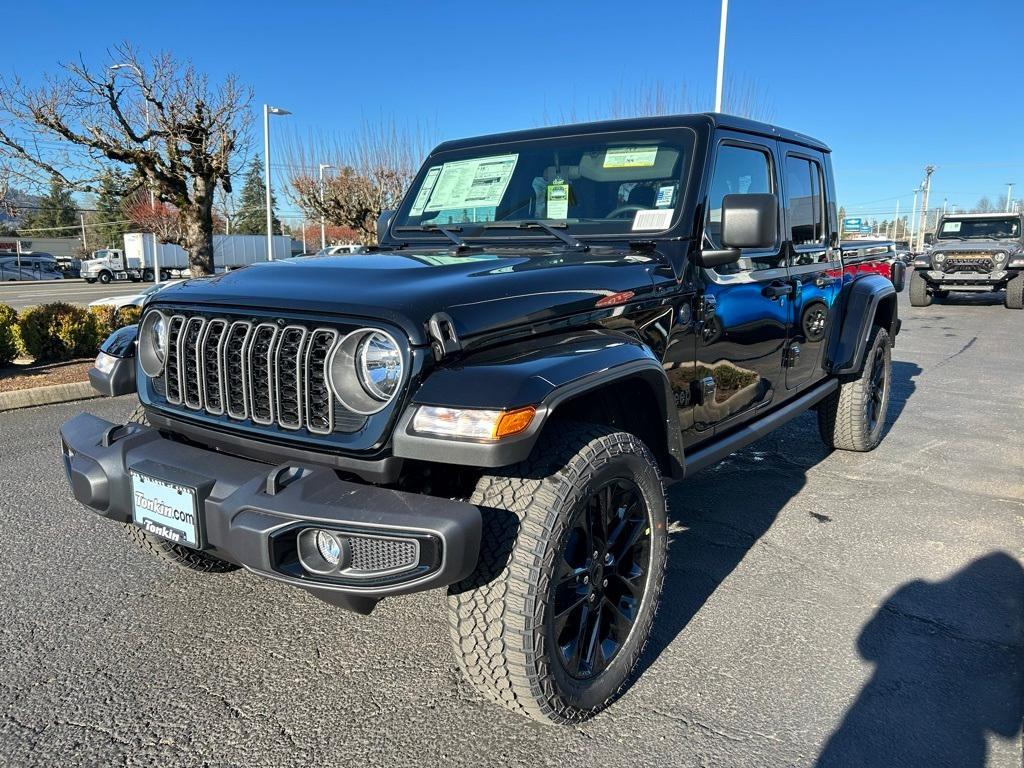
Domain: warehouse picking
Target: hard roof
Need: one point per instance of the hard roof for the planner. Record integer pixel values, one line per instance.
(696, 120)
(986, 215)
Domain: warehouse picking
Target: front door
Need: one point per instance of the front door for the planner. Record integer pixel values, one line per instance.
(745, 306)
(814, 266)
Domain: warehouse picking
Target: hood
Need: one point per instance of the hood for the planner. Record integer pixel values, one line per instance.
(976, 246)
(482, 291)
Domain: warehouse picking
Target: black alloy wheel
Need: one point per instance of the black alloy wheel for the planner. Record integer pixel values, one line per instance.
(599, 580)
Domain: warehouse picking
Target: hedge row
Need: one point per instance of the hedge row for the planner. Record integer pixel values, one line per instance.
(56, 332)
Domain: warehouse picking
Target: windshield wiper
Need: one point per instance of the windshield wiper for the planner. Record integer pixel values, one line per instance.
(566, 238)
(448, 232)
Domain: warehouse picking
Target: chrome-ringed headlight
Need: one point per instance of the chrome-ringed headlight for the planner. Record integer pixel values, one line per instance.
(366, 370)
(153, 335)
(938, 258)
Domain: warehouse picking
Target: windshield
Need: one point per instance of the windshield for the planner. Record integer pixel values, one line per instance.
(967, 229)
(603, 184)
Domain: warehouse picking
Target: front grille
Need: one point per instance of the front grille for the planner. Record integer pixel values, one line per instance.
(968, 264)
(255, 372)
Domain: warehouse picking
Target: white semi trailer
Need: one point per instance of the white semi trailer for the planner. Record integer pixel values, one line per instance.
(135, 262)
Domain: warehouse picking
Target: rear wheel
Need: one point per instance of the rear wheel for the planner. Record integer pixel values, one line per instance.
(147, 276)
(1014, 298)
(920, 295)
(572, 561)
(169, 552)
(853, 417)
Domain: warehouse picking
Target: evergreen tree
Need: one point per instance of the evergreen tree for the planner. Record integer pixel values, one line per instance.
(251, 214)
(110, 215)
(55, 215)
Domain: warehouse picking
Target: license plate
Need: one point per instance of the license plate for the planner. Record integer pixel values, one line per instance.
(165, 509)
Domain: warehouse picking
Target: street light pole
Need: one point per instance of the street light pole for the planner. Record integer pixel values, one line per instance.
(913, 221)
(267, 112)
(721, 55)
(323, 227)
(1009, 195)
(152, 192)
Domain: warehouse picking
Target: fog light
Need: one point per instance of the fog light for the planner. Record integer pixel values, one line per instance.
(328, 546)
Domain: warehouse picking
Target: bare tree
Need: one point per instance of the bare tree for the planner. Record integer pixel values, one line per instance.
(370, 171)
(159, 116)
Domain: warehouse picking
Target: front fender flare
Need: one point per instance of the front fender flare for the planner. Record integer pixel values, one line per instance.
(543, 372)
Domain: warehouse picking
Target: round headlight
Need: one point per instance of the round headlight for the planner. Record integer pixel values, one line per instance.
(380, 365)
(999, 257)
(939, 257)
(153, 334)
(365, 370)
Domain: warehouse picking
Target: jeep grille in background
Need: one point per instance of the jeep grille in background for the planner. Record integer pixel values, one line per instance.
(254, 371)
(976, 263)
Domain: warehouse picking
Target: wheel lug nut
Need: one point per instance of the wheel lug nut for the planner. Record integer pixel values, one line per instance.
(596, 553)
(604, 583)
(586, 579)
(591, 597)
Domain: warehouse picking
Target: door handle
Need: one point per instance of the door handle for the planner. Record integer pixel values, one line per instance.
(778, 288)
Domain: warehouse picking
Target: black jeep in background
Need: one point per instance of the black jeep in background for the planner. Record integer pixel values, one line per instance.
(972, 252)
(554, 323)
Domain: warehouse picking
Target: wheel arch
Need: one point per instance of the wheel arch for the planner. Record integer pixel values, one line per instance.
(602, 377)
(866, 302)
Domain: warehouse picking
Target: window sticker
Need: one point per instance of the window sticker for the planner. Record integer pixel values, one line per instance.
(630, 157)
(420, 203)
(656, 219)
(558, 200)
(951, 226)
(665, 196)
(478, 182)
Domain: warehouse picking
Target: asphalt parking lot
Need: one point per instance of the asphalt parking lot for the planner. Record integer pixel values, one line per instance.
(28, 293)
(838, 609)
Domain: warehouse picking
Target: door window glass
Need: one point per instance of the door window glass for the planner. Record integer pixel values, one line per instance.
(738, 170)
(803, 187)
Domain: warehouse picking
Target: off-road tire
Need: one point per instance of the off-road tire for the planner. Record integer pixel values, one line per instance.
(497, 616)
(920, 295)
(1014, 298)
(843, 420)
(169, 552)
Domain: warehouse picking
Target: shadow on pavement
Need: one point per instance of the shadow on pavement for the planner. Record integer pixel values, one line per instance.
(949, 669)
(720, 513)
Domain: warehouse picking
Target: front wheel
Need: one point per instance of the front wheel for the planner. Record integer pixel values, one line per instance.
(920, 295)
(853, 417)
(1014, 298)
(571, 566)
(104, 277)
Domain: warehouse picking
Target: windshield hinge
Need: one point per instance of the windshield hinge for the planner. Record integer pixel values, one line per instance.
(444, 340)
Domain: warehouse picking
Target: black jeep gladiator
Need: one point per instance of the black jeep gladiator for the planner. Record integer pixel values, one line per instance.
(972, 252)
(554, 323)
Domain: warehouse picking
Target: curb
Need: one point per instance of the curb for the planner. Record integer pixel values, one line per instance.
(55, 393)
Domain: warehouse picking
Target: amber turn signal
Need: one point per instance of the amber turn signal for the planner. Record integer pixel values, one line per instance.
(514, 422)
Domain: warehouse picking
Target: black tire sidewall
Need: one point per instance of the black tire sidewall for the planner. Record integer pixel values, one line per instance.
(591, 694)
(881, 346)
(104, 278)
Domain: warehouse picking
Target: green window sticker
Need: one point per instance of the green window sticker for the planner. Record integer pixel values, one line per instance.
(558, 200)
(630, 157)
(951, 226)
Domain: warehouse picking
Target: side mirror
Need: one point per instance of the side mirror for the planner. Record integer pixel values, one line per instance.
(748, 221)
(383, 222)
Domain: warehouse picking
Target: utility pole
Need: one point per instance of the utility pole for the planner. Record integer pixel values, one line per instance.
(944, 201)
(912, 240)
(323, 226)
(721, 55)
(1009, 195)
(81, 218)
(928, 171)
(896, 221)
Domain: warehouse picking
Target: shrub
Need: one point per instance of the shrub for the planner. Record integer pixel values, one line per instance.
(59, 331)
(8, 335)
(109, 318)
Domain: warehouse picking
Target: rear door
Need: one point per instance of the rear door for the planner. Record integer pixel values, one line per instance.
(814, 264)
(744, 307)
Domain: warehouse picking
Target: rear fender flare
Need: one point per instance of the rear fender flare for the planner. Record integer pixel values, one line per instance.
(860, 302)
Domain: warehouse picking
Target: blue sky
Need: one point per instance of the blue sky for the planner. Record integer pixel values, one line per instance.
(891, 86)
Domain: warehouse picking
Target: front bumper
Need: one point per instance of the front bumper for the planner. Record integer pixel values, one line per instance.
(252, 513)
(967, 280)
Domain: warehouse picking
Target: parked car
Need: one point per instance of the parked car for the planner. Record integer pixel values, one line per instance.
(555, 321)
(972, 252)
(134, 299)
(332, 250)
(29, 266)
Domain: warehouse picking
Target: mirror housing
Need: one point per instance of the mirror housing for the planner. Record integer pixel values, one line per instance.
(383, 222)
(748, 221)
